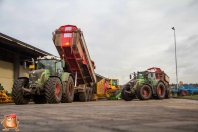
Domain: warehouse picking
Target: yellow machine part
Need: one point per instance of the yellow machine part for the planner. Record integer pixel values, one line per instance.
(100, 89)
(112, 85)
(4, 98)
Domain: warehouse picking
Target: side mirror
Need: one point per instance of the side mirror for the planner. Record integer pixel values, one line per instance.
(130, 76)
(63, 63)
(24, 65)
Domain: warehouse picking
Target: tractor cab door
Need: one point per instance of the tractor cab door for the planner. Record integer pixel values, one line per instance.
(152, 78)
(59, 69)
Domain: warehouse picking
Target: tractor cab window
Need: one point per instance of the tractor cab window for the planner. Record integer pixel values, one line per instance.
(114, 82)
(140, 75)
(59, 68)
(47, 64)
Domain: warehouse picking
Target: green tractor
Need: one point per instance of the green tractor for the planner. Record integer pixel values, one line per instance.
(152, 83)
(47, 83)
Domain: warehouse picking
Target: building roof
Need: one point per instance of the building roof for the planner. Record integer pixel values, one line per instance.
(10, 46)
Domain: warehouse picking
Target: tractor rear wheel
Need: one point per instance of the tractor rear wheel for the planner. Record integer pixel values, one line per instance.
(167, 96)
(53, 90)
(17, 92)
(160, 91)
(39, 99)
(144, 92)
(68, 91)
(125, 95)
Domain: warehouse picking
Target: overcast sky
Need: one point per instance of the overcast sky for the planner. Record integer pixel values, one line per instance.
(122, 36)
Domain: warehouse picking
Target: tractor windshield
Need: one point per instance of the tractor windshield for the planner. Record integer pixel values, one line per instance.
(115, 82)
(47, 64)
(140, 75)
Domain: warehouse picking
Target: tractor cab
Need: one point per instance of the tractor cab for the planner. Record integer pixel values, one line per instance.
(52, 63)
(113, 83)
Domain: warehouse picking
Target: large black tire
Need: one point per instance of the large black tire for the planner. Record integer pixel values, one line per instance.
(68, 91)
(90, 94)
(83, 97)
(167, 96)
(17, 93)
(39, 99)
(160, 91)
(53, 90)
(144, 92)
(126, 96)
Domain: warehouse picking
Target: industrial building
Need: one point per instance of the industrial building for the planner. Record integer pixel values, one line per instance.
(13, 52)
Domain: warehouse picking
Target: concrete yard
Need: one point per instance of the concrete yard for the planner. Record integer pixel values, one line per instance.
(168, 115)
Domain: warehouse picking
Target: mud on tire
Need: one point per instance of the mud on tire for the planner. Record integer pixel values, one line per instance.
(83, 97)
(90, 94)
(167, 96)
(68, 91)
(160, 91)
(126, 96)
(17, 93)
(53, 90)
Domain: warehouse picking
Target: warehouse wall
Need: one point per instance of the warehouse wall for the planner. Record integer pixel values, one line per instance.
(6, 75)
(24, 72)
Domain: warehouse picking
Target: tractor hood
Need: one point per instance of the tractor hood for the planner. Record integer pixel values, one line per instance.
(135, 83)
(35, 75)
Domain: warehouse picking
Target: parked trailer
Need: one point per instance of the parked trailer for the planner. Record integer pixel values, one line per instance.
(71, 46)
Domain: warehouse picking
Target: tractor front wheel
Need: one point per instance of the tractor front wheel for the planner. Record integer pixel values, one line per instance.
(144, 92)
(126, 95)
(53, 90)
(17, 92)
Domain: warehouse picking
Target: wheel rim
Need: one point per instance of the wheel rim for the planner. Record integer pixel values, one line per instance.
(70, 88)
(145, 92)
(184, 93)
(160, 91)
(57, 90)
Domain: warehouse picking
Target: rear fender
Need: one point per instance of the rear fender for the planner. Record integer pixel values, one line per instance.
(65, 76)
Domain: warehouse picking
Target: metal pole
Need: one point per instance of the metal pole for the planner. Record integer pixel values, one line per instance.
(175, 58)
(75, 79)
